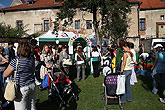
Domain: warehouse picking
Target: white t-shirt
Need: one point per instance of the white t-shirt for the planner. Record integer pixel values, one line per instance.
(134, 55)
(145, 55)
(95, 54)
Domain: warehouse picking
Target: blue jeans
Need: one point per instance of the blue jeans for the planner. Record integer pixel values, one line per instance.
(160, 79)
(154, 90)
(127, 96)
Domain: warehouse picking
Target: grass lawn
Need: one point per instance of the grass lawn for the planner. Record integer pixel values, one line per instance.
(90, 91)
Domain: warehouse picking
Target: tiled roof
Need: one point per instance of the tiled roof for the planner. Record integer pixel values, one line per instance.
(37, 4)
(133, 0)
(152, 4)
(160, 23)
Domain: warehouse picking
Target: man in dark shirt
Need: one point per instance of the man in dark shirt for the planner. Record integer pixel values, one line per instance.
(36, 55)
(10, 51)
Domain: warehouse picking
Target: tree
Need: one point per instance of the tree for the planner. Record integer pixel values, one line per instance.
(113, 21)
(8, 31)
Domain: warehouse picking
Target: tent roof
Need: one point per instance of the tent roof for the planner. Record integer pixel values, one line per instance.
(49, 36)
(61, 34)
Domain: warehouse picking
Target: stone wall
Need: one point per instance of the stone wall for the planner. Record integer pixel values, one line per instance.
(151, 18)
(133, 35)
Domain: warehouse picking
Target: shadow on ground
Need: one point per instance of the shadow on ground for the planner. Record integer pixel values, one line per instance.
(54, 103)
(147, 82)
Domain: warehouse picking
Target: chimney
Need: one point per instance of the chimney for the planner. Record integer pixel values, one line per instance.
(56, 1)
(17, 2)
(30, 2)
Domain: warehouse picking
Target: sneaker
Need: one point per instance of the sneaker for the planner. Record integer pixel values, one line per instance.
(154, 91)
(5, 104)
(37, 83)
(162, 100)
(164, 92)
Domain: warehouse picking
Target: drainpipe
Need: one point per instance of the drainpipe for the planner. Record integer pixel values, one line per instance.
(138, 21)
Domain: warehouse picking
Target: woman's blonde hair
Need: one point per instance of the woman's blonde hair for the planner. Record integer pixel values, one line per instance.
(43, 50)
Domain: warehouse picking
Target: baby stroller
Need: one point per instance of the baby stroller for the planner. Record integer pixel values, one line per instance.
(61, 87)
(110, 96)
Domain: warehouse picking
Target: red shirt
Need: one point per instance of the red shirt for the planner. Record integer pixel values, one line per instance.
(63, 80)
(37, 56)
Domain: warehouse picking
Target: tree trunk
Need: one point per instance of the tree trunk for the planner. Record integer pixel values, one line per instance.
(96, 25)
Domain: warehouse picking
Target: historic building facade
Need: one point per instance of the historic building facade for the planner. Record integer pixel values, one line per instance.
(39, 15)
(151, 21)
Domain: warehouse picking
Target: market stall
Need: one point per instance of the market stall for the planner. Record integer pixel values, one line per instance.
(87, 47)
(50, 36)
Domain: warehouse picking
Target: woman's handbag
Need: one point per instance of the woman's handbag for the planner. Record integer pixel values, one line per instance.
(43, 71)
(11, 89)
(81, 59)
(120, 85)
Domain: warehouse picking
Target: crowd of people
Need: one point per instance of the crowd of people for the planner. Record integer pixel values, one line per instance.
(33, 64)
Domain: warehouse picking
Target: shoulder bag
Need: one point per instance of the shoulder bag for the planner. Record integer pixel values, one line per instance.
(11, 88)
(81, 58)
(120, 84)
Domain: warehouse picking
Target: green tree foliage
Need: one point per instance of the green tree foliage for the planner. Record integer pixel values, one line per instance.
(8, 31)
(113, 13)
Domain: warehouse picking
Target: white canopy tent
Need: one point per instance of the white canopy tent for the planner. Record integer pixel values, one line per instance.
(61, 36)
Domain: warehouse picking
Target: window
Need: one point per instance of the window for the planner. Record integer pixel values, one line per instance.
(162, 17)
(46, 25)
(142, 24)
(19, 24)
(89, 24)
(77, 24)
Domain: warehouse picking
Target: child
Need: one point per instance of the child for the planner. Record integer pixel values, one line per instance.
(62, 78)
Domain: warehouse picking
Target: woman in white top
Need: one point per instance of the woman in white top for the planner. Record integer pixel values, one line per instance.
(95, 62)
(46, 61)
(80, 61)
(127, 71)
(133, 62)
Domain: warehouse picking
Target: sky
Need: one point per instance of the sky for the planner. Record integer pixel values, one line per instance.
(5, 3)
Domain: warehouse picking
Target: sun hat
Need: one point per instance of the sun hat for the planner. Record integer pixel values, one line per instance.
(158, 45)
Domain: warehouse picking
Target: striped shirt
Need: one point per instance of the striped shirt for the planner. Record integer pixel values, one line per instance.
(25, 74)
